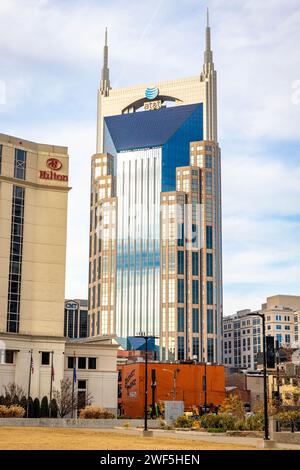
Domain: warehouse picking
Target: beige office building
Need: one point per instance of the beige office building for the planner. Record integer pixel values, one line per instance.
(157, 147)
(33, 227)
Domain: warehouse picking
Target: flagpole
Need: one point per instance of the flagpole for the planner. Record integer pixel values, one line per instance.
(51, 383)
(73, 384)
(29, 383)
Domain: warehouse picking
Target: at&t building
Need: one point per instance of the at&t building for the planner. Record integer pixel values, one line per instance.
(155, 233)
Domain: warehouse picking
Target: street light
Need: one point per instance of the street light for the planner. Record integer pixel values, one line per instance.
(146, 338)
(266, 417)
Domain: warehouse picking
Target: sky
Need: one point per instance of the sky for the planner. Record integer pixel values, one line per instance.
(51, 57)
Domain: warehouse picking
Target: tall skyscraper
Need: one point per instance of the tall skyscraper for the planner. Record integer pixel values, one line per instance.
(155, 234)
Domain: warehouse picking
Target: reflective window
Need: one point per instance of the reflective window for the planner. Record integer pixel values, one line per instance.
(180, 324)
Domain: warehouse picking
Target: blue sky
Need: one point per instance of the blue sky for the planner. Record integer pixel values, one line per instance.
(51, 53)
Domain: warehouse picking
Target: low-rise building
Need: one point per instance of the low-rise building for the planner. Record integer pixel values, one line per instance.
(243, 336)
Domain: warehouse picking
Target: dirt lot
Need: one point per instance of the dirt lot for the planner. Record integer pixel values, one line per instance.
(86, 439)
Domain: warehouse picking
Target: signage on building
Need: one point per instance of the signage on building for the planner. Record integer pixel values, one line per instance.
(54, 165)
(152, 93)
(150, 106)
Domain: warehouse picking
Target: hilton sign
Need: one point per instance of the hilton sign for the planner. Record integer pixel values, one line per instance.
(54, 165)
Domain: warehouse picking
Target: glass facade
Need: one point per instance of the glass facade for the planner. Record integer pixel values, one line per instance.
(15, 268)
(138, 242)
(76, 321)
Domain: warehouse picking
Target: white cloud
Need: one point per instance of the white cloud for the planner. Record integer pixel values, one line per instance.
(51, 53)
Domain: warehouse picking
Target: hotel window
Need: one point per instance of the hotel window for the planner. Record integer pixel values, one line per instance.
(195, 292)
(98, 323)
(15, 269)
(93, 325)
(195, 320)
(209, 237)
(180, 293)
(210, 321)
(20, 164)
(209, 265)
(196, 347)
(278, 318)
(180, 260)
(195, 264)
(0, 158)
(287, 338)
(210, 350)
(180, 320)
(180, 348)
(210, 293)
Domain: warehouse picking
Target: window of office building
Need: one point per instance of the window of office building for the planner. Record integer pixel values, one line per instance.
(210, 350)
(180, 258)
(196, 347)
(180, 293)
(180, 320)
(209, 265)
(210, 293)
(92, 361)
(195, 292)
(195, 320)
(15, 268)
(209, 237)
(210, 321)
(45, 360)
(20, 164)
(195, 264)
(82, 363)
(180, 348)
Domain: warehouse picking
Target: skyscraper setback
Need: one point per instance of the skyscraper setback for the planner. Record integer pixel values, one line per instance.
(155, 234)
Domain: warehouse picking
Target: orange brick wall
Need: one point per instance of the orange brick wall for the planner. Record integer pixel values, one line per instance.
(188, 385)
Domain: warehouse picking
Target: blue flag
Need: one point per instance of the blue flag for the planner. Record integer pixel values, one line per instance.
(74, 375)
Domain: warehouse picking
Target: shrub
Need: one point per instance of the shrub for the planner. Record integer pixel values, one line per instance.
(13, 411)
(44, 407)
(93, 412)
(183, 422)
(234, 406)
(36, 408)
(215, 430)
(255, 422)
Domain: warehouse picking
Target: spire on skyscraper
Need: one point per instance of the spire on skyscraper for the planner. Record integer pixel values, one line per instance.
(105, 82)
(208, 54)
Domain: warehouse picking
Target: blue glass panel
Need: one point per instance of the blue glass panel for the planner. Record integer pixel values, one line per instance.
(176, 152)
(154, 128)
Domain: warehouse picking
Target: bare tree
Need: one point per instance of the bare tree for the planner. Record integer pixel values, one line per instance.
(66, 401)
(13, 393)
